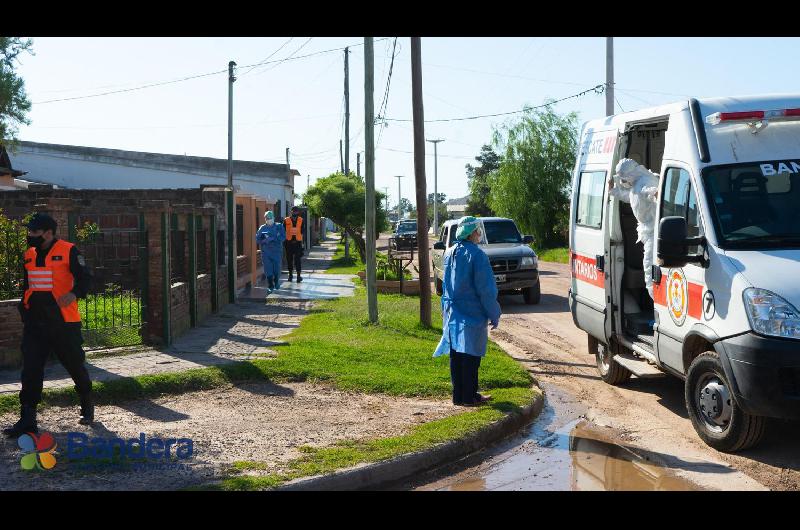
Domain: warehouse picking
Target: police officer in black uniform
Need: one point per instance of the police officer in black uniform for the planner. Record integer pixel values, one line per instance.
(55, 276)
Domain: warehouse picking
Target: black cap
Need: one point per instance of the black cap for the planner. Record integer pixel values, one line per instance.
(42, 221)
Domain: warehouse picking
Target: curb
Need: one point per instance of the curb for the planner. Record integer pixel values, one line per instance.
(372, 476)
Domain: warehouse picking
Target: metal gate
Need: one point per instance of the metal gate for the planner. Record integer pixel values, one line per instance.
(113, 313)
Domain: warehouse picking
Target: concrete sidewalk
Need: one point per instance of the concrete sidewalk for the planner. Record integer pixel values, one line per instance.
(240, 331)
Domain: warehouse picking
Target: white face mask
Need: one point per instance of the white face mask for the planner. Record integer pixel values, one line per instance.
(270, 222)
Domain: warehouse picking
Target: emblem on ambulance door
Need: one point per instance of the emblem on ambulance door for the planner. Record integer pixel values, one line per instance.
(677, 296)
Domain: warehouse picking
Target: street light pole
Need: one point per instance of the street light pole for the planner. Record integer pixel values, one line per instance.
(435, 185)
(609, 76)
(231, 216)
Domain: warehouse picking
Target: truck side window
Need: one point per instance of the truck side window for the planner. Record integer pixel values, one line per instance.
(678, 198)
(589, 209)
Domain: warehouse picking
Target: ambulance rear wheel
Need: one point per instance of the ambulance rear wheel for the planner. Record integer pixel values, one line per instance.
(610, 371)
(715, 415)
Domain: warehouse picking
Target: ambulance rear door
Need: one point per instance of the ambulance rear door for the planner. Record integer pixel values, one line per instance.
(588, 237)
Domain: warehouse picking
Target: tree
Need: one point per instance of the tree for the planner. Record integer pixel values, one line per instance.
(407, 207)
(14, 103)
(532, 184)
(340, 198)
(441, 206)
(478, 179)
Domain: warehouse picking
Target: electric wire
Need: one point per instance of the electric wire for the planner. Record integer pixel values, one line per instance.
(384, 104)
(597, 89)
(269, 56)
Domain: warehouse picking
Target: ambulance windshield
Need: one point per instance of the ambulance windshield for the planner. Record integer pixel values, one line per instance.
(754, 205)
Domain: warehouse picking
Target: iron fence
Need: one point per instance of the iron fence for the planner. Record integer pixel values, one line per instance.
(113, 312)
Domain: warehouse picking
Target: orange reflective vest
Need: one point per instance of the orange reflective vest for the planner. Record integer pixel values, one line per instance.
(55, 277)
(293, 231)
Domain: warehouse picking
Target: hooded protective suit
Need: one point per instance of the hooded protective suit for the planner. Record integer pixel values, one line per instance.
(469, 300)
(637, 185)
(270, 237)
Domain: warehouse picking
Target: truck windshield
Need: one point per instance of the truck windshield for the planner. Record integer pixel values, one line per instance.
(754, 205)
(407, 227)
(501, 232)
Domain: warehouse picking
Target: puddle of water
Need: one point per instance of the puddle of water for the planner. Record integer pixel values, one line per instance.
(562, 451)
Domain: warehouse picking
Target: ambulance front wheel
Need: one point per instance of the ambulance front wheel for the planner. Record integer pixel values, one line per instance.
(716, 417)
(610, 372)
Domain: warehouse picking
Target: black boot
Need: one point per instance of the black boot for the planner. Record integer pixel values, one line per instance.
(290, 275)
(26, 423)
(87, 410)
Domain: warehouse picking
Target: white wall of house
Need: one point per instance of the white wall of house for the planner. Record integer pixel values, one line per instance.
(70, 170)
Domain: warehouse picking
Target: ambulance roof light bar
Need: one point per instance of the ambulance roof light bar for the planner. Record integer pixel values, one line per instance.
(753, 116)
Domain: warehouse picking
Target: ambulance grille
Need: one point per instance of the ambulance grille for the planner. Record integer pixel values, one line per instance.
(504, 265)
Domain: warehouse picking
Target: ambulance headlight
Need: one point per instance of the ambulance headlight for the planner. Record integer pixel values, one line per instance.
(769, 314)
(528, 262)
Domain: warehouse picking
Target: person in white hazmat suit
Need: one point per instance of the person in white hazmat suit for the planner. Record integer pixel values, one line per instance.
(637, 185)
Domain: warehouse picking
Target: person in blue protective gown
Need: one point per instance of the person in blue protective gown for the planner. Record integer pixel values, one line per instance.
(270, 237)
(469, 305)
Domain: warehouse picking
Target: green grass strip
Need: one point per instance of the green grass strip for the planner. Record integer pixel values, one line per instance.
(342, 265)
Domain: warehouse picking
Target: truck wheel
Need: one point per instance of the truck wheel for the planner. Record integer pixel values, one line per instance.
(532, 295)
(715, 415)
(610, 372)
(438, 283)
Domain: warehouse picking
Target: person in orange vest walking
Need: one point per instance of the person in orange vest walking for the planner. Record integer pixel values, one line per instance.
(294, 242)
(55, 276)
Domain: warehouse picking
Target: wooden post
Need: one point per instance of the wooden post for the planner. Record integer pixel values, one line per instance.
(369, 201)
(419, 174)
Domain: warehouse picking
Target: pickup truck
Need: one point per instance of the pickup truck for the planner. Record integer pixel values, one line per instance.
(513, 261)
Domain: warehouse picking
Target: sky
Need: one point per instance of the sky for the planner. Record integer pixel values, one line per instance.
(298, 103)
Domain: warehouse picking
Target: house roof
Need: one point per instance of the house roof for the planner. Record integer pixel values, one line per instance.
(164, 161)
(5, 164)
(462, 201)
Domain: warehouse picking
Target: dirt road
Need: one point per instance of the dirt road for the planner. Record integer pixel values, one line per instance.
(645, 416)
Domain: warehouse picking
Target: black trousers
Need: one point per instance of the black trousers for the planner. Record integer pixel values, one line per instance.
(294, 253)
(38, 340)
(464, 376)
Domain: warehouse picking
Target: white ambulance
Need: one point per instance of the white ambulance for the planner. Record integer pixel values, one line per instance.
(724, 314)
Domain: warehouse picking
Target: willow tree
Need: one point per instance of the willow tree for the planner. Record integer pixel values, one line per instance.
(532, 183)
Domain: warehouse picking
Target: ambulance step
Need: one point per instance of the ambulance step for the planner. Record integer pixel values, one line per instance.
(639, 367)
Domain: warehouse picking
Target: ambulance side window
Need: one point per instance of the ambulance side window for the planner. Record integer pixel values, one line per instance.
(678, 199)
(591, 188)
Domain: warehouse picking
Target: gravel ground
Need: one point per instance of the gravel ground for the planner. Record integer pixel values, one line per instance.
(261, 422)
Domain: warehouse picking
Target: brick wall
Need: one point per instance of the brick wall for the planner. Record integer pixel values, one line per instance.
(10, 334)
(180, 320)
(203, 296)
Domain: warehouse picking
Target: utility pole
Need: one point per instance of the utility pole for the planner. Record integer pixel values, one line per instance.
(346, 112)
(419, 173)
(231, 216)
(609, 76)
(399, 211)
(341, 160)
(369, 140)
(287, 158)
(358, 164)
(386, 196)
(435, 185)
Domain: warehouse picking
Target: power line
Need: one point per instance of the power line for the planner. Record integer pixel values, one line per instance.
(426, 154)
(269, 56)
(597, 89)
(385, 102)
(287, 58)
(198, 76)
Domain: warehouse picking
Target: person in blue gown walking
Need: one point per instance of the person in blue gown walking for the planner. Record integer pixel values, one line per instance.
(469, 305)
(270, 237)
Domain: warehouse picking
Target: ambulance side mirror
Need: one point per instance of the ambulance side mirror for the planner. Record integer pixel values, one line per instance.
(439, 245)
(674, 243)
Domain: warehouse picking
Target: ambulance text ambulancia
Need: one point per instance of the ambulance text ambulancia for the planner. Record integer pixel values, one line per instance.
(723, 315)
